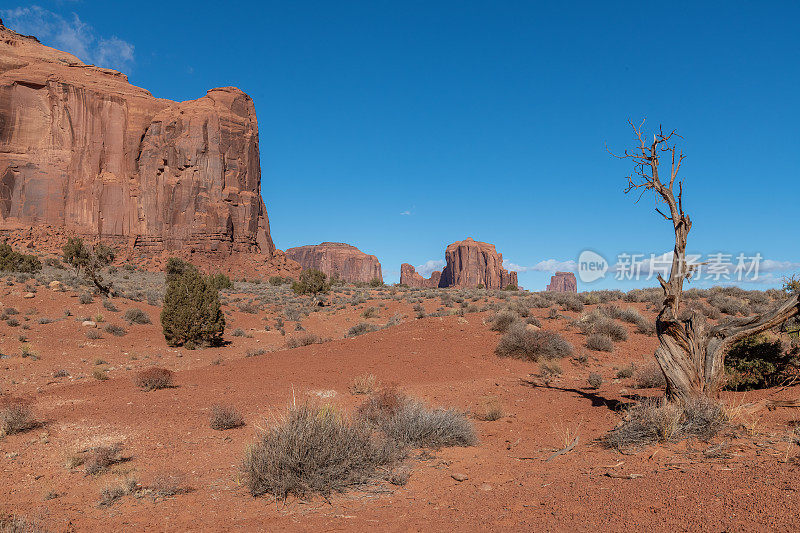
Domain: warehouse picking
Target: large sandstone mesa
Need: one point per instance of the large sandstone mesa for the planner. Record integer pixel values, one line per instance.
(563, 282)
(410, 277)
(337, 259)
(472, 263)
(83, 150)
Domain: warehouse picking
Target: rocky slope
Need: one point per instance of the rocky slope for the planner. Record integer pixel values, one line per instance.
(410, 277)
(563, 282)
(83, 150)
(338, 259)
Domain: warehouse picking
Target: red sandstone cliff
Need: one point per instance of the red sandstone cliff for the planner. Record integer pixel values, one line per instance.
(563, 282)
(410, 277)
(83, 150)
(338, 259)
(471, 263)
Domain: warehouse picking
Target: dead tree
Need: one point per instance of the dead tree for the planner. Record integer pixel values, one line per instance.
(691, 352)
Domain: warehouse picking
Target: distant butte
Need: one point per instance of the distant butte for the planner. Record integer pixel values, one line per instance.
(337, 259)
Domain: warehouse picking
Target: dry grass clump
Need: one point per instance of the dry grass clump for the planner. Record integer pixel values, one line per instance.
(656, 420)
(112, 493)
(360, 329)
(527, 343)
(409, 422)
(600, 342)
(225, 417)
(626, 371)
(314, 450)
(15, 417)
(117, 331)
(503, 320)
(364, 384)
(490, 411)
(19, 524)
(650, 377)
(136, 316)
(154, 378)
(303, 339)
(100, 458)
(595, 380)
(598, 322)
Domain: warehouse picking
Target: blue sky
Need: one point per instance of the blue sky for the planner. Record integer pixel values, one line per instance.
(400, 127)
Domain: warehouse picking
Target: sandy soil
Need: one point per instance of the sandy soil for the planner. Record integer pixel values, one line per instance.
(446, 361)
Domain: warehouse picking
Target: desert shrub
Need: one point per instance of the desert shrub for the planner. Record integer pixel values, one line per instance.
(646, 327)
(109, 305)
(99, 374)
(312, 282)
(758, 362)
(303, 339)
(93, 334)
(191, 309)
(525, 343)
(117, 331)
(502, 321)
(220, 281)
(363, 384)
(492, 410)
(275, 281)
(15, 417)
(650, 377)
(595, 380)
(45, 320)
(572, 303)
(101, 457)
(19, 524)
(13, 322)
(599, 322)
(314, 450)
(136, 316)
(89, 261)
(154, 378)
(369, 312)
(729, 305)
(533, 321)
(60, 373)
(238, 332)
(11, 261)
(376, 282)
(656, 420)
(225, 417)
(600, 342)
(409, 422)
(255, 352)
(85, 298)
(626, 371)
(113, 492)
(394, 321)
(360, 329)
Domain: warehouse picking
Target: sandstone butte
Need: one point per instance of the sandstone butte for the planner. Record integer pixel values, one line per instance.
(563, 282)
(469, 263)
(82, 151)
(337, 259)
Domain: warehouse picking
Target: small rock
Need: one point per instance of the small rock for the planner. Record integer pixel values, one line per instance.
(485, 487)
(532, 327)
(89, 324)
(459, 477)
(28, 295)
(56, 285)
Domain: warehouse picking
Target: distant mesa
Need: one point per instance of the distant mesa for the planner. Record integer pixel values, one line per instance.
(563, 282)
(470, 264)
(337, 259)
(410, 277)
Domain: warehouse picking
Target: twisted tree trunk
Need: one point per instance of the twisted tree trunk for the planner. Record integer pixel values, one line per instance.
(691, 352)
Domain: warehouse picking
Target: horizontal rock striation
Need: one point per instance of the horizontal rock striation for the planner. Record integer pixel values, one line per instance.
(337, 259)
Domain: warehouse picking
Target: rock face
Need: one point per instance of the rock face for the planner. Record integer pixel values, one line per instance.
(83, 150)
(338, 259)
(563, 282)
(471, 263)
(410, 277)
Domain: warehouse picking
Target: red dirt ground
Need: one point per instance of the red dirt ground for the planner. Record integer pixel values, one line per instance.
(447, 361)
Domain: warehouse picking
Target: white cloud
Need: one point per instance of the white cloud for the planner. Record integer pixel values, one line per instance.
(548, 265)
(427, 268)
(406, 212)
(71, 35)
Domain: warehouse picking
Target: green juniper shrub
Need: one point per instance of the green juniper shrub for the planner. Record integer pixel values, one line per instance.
(191, 309)
(11, 261)
(311, 282)
(758, 362)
